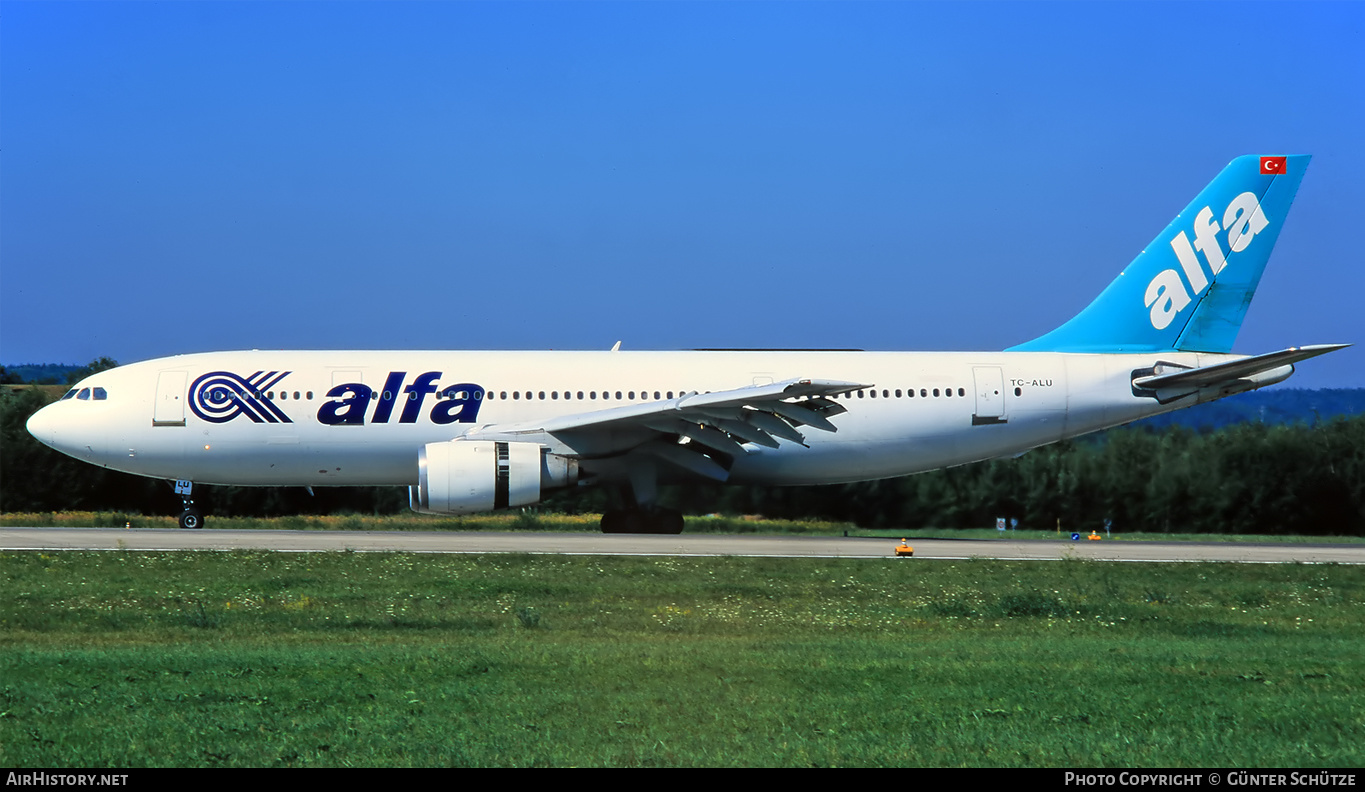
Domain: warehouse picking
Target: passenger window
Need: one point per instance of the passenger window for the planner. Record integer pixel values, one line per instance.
(516, 394)
(935, 392)
(310, 395)
(961, 392)
(898, 393)
(580, 395)
(542, 395)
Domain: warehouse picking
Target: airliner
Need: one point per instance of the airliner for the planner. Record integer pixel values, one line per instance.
(477, 431)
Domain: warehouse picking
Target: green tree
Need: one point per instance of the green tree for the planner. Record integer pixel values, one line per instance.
(93, 367)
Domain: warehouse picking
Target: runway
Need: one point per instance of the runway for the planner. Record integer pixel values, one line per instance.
(684, 545)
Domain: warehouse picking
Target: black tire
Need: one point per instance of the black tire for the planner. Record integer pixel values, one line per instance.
(191, 519)
(665, 521)
(636, 521)
(619, 521)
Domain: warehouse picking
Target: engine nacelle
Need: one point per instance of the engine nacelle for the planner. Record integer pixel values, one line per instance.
(467, 476)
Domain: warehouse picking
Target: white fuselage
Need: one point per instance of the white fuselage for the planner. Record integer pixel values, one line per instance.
(988, 404)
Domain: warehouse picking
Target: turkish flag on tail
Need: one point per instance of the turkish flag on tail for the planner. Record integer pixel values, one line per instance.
(1273, 166)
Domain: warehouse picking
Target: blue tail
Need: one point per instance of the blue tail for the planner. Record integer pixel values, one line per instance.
(1189, 290)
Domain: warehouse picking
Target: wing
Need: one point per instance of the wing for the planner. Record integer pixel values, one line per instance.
(700, 432)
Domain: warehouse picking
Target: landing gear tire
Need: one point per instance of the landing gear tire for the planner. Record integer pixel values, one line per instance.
(620, 521)
(191, 519)
(667, 521)
(638, 521)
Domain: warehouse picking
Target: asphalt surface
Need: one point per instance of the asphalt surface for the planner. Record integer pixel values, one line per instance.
(684, 545)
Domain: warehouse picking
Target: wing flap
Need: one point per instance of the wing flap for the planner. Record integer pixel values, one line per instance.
(697, 463)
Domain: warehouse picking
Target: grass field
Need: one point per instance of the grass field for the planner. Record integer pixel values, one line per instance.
(269, 659)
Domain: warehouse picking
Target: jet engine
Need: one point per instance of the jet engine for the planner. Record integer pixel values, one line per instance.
(467, 476)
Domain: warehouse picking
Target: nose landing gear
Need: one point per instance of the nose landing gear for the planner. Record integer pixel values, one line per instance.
(192, 516)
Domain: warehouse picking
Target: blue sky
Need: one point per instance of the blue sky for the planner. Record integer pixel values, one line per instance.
(181, 177)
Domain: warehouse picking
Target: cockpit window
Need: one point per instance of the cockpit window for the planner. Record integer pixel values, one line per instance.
(101, 394)
(84, 395)
(69, 394)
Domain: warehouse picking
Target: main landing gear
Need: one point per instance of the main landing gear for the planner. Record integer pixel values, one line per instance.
(192, 516)
(642, 521)
(642, 514)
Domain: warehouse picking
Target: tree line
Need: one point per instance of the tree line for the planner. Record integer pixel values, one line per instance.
(1245, 478)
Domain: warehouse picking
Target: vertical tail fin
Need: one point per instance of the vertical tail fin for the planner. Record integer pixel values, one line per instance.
(1190, 288)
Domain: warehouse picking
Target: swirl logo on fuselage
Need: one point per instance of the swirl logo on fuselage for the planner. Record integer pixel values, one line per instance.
(220, 396)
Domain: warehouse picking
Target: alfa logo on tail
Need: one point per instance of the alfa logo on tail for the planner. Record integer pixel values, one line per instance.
(1242, 219)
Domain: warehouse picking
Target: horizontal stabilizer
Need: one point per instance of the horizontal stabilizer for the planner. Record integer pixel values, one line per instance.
(1208, 376)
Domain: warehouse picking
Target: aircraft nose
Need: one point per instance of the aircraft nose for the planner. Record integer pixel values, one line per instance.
(43, 426)
(71, 432)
